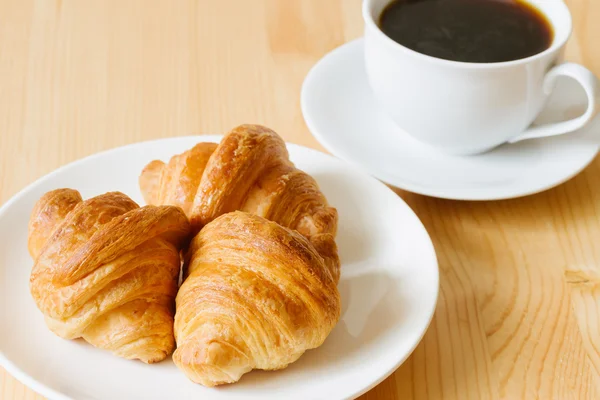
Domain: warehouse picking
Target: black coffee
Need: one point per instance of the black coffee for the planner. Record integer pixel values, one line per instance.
(476, 31)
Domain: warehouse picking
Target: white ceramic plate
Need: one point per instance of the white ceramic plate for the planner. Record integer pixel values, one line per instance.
(342, 114)
(389, 287)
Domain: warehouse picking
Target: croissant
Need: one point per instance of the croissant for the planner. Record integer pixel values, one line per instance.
(256, 295)
(250, 171)
(106, 270)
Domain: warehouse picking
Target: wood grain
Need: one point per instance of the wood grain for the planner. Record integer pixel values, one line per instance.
(518, 313)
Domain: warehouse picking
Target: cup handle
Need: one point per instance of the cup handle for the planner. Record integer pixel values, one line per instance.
(591, 86)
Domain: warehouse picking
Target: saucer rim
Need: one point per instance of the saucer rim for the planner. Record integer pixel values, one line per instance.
(399, 183)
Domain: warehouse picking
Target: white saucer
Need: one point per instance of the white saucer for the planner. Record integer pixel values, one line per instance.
(340, 111)
(388, 288)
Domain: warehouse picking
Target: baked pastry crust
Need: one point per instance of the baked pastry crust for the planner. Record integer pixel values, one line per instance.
(256, 295)
(250, 171)
(106, 270)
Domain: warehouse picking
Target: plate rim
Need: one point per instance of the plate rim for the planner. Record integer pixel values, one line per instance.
(46, 391)
(399, 183)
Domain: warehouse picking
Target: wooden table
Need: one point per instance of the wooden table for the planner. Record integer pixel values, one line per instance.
(518, 313)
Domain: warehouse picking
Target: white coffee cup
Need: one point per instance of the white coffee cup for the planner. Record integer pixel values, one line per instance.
(468, 108)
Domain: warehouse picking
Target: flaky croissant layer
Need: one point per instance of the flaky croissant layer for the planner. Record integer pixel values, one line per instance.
(250, 171)
(106, 270)
(256, 295)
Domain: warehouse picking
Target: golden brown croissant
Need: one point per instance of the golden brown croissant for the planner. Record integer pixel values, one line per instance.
(256, 296)
(107, 270)
(249, 170)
